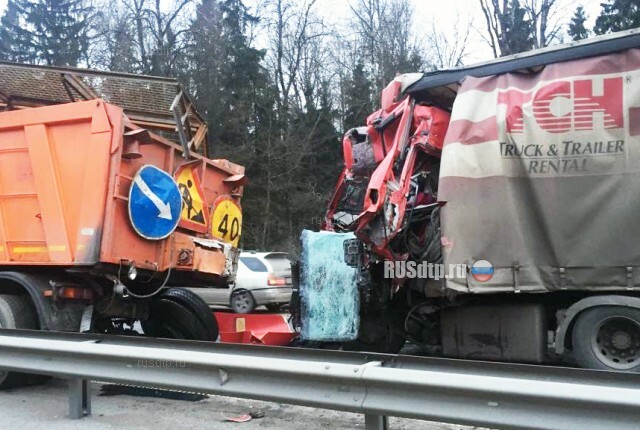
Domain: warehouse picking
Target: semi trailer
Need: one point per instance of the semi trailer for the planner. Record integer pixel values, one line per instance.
(101, 218)
(490, 212)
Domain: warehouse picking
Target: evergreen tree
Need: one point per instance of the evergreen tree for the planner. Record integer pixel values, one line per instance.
(618, 15)
(325, 160)
(315, 142)
(51, 32)
(357, 98)
(226, 73)
(236, 97)
(517, 35)
(577, 30)
(58, 30)
(15, 43)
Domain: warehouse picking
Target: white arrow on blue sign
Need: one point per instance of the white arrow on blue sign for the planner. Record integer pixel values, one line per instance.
(155, 203)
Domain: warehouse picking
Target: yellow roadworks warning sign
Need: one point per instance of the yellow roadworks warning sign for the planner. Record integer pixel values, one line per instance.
(195, 211)
(226, 220)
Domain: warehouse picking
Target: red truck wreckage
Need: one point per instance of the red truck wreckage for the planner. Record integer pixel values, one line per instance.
(401, 133)
(523, 169)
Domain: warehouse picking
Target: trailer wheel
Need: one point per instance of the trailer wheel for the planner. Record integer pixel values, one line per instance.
(15, 313)
(197, 306)
(242, 302)
(608, 337)
(169, 319)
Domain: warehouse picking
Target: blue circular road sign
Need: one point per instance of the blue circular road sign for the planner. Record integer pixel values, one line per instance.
(155, 203)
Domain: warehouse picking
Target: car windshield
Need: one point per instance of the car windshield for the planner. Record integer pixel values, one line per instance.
(253, 264)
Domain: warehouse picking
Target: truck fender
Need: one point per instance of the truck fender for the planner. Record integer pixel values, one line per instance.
(564, 328)
(35, 286)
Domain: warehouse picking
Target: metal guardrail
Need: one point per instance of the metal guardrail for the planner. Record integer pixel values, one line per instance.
(377, 385)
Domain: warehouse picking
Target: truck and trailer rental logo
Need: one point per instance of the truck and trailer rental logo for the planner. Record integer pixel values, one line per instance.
(567, 120)
(562, 106)
(565, 108)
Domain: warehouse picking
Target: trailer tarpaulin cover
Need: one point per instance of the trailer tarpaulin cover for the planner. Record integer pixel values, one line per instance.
(540, 176)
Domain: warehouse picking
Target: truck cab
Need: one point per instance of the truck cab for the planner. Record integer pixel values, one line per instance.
(521, 171)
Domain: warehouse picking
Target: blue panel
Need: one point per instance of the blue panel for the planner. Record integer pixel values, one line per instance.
(328, 290)
(155, 203)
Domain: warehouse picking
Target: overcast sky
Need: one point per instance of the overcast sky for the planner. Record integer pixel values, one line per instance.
(448, 13)
(445, 14)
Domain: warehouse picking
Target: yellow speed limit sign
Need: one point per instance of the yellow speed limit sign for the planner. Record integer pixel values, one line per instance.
(226, 220)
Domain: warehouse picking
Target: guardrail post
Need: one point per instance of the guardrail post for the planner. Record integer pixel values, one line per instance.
(376, 422)
(79, 398)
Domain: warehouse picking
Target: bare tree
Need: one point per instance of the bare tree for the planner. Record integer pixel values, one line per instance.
(144, 33)
(112, 46)
(509, 30)
(353, 92)
(546, 18)
(138, 15)
(297, 49)
(297, 60)
(168, 36)
(383, 29)
(517, 25)
(449, 48)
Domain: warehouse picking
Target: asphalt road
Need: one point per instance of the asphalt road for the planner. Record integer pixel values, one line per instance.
(115, 407)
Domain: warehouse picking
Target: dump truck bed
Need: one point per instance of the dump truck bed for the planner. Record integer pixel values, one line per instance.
(65, 176)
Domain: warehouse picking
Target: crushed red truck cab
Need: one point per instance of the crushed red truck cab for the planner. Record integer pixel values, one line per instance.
(524, 172)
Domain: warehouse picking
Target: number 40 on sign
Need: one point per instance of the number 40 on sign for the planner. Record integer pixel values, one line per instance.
(226, 220)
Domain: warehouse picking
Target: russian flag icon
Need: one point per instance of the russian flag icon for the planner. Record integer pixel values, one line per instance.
(482, 271)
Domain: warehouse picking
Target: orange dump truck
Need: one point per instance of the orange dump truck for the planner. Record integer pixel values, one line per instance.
(100, 217)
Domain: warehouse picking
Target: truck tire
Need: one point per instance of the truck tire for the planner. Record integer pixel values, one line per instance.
(16, 313)
(608, 338)
(197, 306)
(169, 319)
(242, 302)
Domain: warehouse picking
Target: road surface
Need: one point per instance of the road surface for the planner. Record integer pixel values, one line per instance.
(116, 407)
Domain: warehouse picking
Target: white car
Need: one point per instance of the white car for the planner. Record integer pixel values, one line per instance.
(263, 278)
